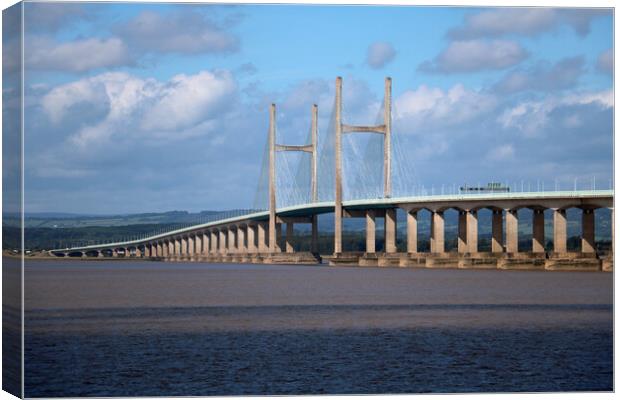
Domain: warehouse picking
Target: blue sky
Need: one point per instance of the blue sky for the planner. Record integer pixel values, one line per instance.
(154, 107)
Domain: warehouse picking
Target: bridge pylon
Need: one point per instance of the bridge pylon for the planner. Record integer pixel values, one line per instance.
(307, 148)
(384, 129)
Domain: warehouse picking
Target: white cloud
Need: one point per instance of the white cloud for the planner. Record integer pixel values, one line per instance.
(476, 55)
(379, 54)
(77, 56)
(53, 16)
(136, 107)
(186, 100)
(189, 32)
(524, 21)
(532, 118)
(425, 107)
(561, 75)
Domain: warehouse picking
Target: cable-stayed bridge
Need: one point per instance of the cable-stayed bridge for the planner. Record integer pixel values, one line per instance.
(362, 171)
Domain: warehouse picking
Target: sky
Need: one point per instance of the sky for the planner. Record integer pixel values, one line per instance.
(136, 107)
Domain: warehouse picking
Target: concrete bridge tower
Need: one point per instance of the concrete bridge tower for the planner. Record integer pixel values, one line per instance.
(308, 148)
(385, 129)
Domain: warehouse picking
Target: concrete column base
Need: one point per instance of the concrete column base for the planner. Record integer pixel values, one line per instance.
(413, 260)
(369, 260)
(390, 260)
(442, 260)
(348, 258)
(571, 255)
(236, 258)
(607, 264)
(575, 264)
(479, 260)
(257, 258)
(302, 257)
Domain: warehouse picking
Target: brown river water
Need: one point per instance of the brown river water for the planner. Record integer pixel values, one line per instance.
(112, 328)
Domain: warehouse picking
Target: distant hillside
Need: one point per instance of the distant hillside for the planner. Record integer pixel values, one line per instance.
(66, 220)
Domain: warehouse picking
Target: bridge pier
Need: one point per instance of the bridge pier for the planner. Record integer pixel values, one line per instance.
(559, 230)
(251, 239)
(512, 231)
(263, 245)
(278, 239)
(289, 237)
(472, 231)
(197, 253)
(497, 231)
(412, 231)
(370, 231)
(390, 230)
(538, 231)
(437, 232)
(221, 242)
(587, 231)
(462, 236)
(314, 243)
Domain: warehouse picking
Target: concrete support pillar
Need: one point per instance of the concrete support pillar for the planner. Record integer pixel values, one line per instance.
(191, 246)
(278, 241)
(314, 243)
(497, 232)
(198, 244)
(214, 242)
(251, 239)
(206, 243)
(164, 249)
(512, 231)
(462, 237)
(338, 169)
(263, 247)
(222, 242)
(184, 246)
(437, 232)
(538, 231)
(587, 231)
(114, 253)
(390, 230)
(559, 231)
(472, 231)
(241, 247)
(289, 237)
(272, 179)
(232, 238)
(370, 231)
(412, 231)
(99, 254)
